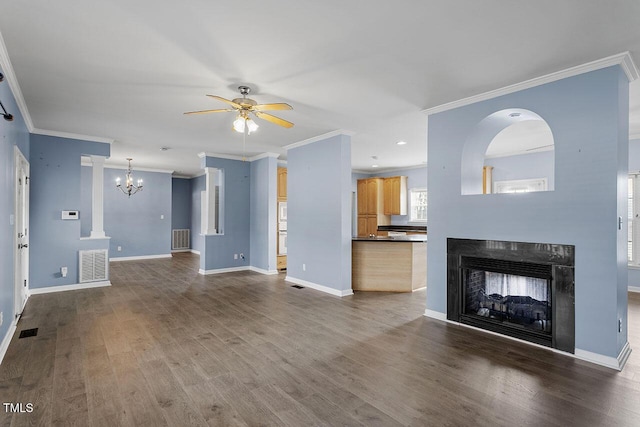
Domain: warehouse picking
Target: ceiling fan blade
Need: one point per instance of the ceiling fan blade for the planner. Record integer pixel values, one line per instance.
(273, 119)
(276, 106)
(233, 104)
(220, 110)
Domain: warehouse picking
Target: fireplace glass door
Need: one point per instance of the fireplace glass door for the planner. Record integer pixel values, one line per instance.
(510, 300)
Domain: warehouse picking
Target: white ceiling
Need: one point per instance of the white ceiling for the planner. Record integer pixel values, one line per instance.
(127, 70)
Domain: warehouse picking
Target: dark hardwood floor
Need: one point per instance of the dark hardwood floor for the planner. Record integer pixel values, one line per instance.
(166, 346)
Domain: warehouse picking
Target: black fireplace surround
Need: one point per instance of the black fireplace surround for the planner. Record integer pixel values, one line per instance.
(524, 290)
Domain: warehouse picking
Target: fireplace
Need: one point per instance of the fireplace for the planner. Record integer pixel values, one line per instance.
(524, 290)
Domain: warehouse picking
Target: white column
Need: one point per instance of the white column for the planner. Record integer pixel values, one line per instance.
(209, 210)
(97, 198)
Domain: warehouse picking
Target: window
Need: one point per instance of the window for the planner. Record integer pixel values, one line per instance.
(520, 185)
(418, 204)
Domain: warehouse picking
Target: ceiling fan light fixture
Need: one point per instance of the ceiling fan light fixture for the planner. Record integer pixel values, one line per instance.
(238, 124)
(251, 126)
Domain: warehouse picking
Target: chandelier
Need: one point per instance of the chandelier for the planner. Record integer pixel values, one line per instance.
(129, 187)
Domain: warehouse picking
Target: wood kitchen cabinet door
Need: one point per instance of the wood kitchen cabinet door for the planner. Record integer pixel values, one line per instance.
(362, 197)
(282, 184)
(362, 226)
(395, 195)
(375, 196)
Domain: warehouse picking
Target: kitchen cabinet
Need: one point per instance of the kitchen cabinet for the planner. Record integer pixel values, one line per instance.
(395, 195)
(370, 206)
(282, 184)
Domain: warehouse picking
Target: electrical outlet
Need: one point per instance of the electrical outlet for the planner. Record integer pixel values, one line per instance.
(63, 271)
(235, 256)
(304, 267)
(161, 216)
(119, 248)
(619, 325)
(1, 318)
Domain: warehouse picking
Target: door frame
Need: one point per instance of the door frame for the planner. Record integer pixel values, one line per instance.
(21, 206)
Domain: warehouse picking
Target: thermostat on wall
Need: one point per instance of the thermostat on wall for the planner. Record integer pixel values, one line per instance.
(70, 215)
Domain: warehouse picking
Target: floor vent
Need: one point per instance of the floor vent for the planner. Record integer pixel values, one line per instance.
(180, 239)
(26, 333)
(297, 286)
(94, 265)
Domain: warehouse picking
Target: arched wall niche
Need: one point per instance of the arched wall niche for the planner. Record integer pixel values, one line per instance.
(518, 147)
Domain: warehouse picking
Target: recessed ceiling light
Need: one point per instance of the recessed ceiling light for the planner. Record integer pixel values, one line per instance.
(401, 143)
(374, 166)
(516, 114)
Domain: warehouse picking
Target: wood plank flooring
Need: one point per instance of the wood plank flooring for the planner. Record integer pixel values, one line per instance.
(165, 346)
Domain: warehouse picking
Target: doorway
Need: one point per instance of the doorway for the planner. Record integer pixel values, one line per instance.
(21, 236)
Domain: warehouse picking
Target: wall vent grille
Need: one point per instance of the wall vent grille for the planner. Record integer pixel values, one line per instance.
(180, 239)
(94, 265)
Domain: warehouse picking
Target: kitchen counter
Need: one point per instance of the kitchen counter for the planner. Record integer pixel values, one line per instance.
(404, 228)
(398, 265)
(407, 238)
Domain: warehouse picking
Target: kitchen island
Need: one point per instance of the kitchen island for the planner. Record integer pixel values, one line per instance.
(389, 264)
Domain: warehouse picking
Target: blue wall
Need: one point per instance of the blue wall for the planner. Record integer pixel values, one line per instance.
(319, 213)
(55, 186)
(587, 116)
(180, 203)
(14, 133)
(134, 223)
(219, 249)
(524, 166)
(263, 213)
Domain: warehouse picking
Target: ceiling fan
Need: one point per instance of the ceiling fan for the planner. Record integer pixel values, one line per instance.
(246, 106)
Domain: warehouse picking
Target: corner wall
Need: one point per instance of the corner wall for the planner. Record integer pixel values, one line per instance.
(586, 114)
(319, 185)
(217, 251)
(12, 134)
(55, 186)
(263, 205)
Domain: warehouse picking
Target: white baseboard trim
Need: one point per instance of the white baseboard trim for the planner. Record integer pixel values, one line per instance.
(634, 288)
(193, 251)
(174, 251)
(318, 287)
(262, 271)
(419, 289)
(74, 287)
(616, 363)
(137, 258)
(7, 339)
(435, 315)
(595, 358)
(223, 270)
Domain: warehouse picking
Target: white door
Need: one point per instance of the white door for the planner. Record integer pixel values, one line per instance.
(21, 232)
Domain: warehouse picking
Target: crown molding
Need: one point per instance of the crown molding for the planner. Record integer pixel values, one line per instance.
(241, 158)
(623, 59)
(139, 169)
(69, 135)
(12, 80)
(222, 156)
(263, 156)
(319, 138)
